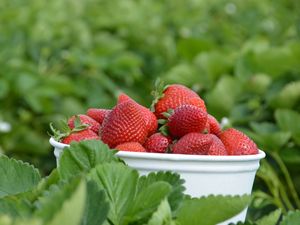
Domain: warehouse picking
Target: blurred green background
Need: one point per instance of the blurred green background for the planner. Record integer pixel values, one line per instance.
(60, 57)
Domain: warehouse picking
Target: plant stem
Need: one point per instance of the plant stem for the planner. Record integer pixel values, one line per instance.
(287, 178)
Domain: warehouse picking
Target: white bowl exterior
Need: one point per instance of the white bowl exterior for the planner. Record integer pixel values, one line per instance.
(203, 175)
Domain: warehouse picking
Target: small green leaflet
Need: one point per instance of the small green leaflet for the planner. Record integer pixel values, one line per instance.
(16, 176)
(210, 210)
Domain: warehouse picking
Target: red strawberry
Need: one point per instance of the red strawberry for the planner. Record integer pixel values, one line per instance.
(212, 125)
(193, 144)
(131, 147)
(98, 114)
(174, 96)
(217, 147)
(150, 118)
(86, 134)
(84, 119)
(237, 143)
(157, 143)
(187, 119)
(125, 123)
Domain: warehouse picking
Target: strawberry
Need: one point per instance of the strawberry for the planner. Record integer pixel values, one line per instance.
(157, 143)
(193, 144)
(237, 143)
(174, 96)
(98, 114)
(131, 147)
(212, 125)
(217, 147)
(124, 98)
(187, 119)
(125, 123)
(84, 119)
(86, 134)
(150, 118)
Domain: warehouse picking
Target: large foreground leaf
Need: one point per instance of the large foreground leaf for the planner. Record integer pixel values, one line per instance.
(210, 210)
(72, 209)
(16, 176)
(127, 202)
(292, 218)
(83, 156)
(270, 219)
(14, 206)
(96, 207)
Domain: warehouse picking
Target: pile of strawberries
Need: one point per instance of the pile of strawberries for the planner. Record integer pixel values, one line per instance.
(178, 123)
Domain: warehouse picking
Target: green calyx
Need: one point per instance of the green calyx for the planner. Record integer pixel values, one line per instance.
(158, 92)
(64, 130)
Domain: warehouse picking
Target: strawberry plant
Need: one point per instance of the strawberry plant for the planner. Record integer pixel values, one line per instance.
(93, 186)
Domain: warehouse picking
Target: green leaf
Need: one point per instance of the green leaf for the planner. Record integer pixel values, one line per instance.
(270, 219)
(7, 220)
(289, 120)
(163, 215)
(147, 200)
(268, 137)
(81, 157)
(211, 210)
(176, 196)
(288, 97)
(292, 218)
(51, 200)
(132, 199)
(96, 207)
(227, 87)
(119, 183)
(16, 176)
(15, 207)
(72, 209)
(190, 47)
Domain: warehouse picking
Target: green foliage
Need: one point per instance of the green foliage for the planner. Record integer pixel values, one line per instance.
(112, 193)
(16, 177)
(60, 57)
(194, 210)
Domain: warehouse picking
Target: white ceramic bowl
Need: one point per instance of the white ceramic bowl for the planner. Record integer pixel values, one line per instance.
(203, 174)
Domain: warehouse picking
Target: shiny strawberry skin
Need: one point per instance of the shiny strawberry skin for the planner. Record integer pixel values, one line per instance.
(125, 123)
(238, 143)
(98, 114)
(187, 119)
(84, 119)
(131, 147)
(212, 125)
(174, 96)
(157, 143)
(86, 134)
(150, 118)
(217, 147)
(193, 144)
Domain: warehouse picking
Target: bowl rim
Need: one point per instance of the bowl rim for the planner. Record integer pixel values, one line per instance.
(176, 157)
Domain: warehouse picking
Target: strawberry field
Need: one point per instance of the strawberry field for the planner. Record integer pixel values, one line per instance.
(59, 58)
